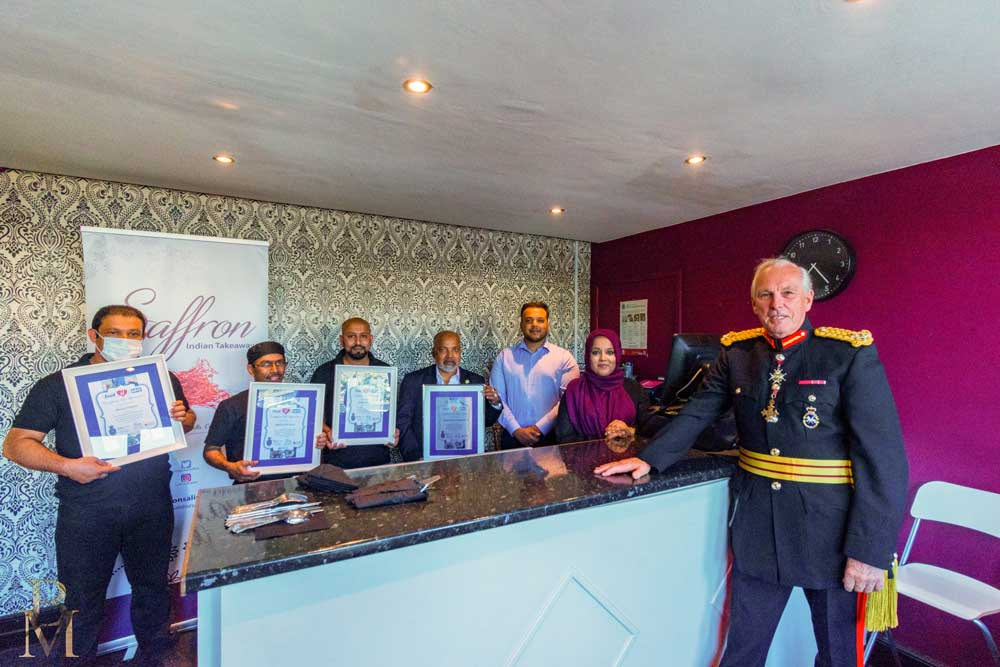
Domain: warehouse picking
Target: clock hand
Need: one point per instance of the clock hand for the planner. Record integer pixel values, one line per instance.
(813, 267)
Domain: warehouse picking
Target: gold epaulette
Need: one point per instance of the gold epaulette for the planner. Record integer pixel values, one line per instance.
(736, 336)
(855, 338)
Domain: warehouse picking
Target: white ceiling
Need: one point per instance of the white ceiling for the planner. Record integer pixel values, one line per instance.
(589, 104)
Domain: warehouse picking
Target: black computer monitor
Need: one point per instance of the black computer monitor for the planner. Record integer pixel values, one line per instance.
(690, 351)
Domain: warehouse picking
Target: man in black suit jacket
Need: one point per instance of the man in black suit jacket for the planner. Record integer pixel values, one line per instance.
(447, 354)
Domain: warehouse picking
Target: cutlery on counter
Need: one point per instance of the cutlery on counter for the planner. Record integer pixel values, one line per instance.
(287, 497)
(292, 516)
(270, 511)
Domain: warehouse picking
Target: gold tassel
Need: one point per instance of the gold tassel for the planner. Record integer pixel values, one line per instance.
(880, 608)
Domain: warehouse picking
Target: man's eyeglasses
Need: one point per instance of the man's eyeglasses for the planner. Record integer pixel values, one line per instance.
(268, 365)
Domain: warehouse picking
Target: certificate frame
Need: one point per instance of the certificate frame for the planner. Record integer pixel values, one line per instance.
(306, 399)
(472, 436)
(142, 393)
(364, 396)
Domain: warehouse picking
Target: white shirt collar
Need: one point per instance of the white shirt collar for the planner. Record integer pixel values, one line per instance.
(454, 378)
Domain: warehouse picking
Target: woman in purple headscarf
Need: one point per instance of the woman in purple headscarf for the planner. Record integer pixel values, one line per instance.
(601, 403)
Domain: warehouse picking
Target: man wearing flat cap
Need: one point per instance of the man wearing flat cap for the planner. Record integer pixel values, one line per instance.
(227, 433)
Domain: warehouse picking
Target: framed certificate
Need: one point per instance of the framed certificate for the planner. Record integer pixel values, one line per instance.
(283, 420)
(454, 421)
(121, 409)
(364, 405)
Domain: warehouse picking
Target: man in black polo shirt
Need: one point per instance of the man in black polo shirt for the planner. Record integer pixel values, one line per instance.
(104, 509)
(356, 344)
(224, 444)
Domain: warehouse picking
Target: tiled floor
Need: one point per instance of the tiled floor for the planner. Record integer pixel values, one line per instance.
(185, 654)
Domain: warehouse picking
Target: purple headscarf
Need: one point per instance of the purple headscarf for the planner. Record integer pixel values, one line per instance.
(594, 401)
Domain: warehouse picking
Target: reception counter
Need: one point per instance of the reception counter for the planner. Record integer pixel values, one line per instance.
(517, 558)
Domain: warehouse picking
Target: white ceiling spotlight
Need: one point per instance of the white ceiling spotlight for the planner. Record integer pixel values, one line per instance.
(417, 86)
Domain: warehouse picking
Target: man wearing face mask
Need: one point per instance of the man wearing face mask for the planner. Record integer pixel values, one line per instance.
(226, 437)
(447, 353)
(104, 509)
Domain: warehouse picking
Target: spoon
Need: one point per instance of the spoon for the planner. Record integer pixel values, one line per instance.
(291, 517)
(287, 497)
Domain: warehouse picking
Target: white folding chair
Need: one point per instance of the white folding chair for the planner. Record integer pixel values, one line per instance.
(943, 589)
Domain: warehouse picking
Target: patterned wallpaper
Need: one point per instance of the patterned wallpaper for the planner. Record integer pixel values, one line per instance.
(409, 279)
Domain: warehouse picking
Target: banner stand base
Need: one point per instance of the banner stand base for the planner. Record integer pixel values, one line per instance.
(129, 645)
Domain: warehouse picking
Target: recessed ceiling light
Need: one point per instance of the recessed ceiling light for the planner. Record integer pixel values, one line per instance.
(557, 210)
(417, 86)
(695, 159)
(224, 159)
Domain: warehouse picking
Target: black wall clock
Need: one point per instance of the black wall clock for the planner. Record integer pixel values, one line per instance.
(828, 258)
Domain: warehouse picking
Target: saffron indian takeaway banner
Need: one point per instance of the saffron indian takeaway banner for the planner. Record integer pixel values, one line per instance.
(205, 299)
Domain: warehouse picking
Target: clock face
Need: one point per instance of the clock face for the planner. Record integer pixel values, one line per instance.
(827, 257)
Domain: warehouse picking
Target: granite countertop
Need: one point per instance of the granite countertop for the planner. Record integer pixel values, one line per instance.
(474, 493)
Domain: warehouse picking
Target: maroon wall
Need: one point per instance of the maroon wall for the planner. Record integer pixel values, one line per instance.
(928, 245)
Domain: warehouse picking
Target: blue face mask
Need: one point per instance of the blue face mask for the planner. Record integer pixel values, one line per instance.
(120, 349)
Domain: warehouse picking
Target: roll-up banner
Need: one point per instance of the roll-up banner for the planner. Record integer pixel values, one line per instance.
(205, 300)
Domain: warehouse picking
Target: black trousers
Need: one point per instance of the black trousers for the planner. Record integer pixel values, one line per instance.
(756, 607)
(88, 541)
(507, 441)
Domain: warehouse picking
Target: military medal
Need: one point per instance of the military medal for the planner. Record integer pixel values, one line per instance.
(810, 419)
(770, 413)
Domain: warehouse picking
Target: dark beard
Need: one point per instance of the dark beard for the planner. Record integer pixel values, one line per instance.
(355, 355)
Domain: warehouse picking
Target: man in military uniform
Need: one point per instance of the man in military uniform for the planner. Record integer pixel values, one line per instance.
(818, 499)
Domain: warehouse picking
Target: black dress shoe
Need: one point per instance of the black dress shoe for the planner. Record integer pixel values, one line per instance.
(148, 659)
(155, 652)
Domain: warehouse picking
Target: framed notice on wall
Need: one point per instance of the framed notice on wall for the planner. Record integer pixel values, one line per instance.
(632, 321)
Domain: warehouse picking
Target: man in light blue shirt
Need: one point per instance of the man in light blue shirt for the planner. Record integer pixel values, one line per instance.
(530, 377)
